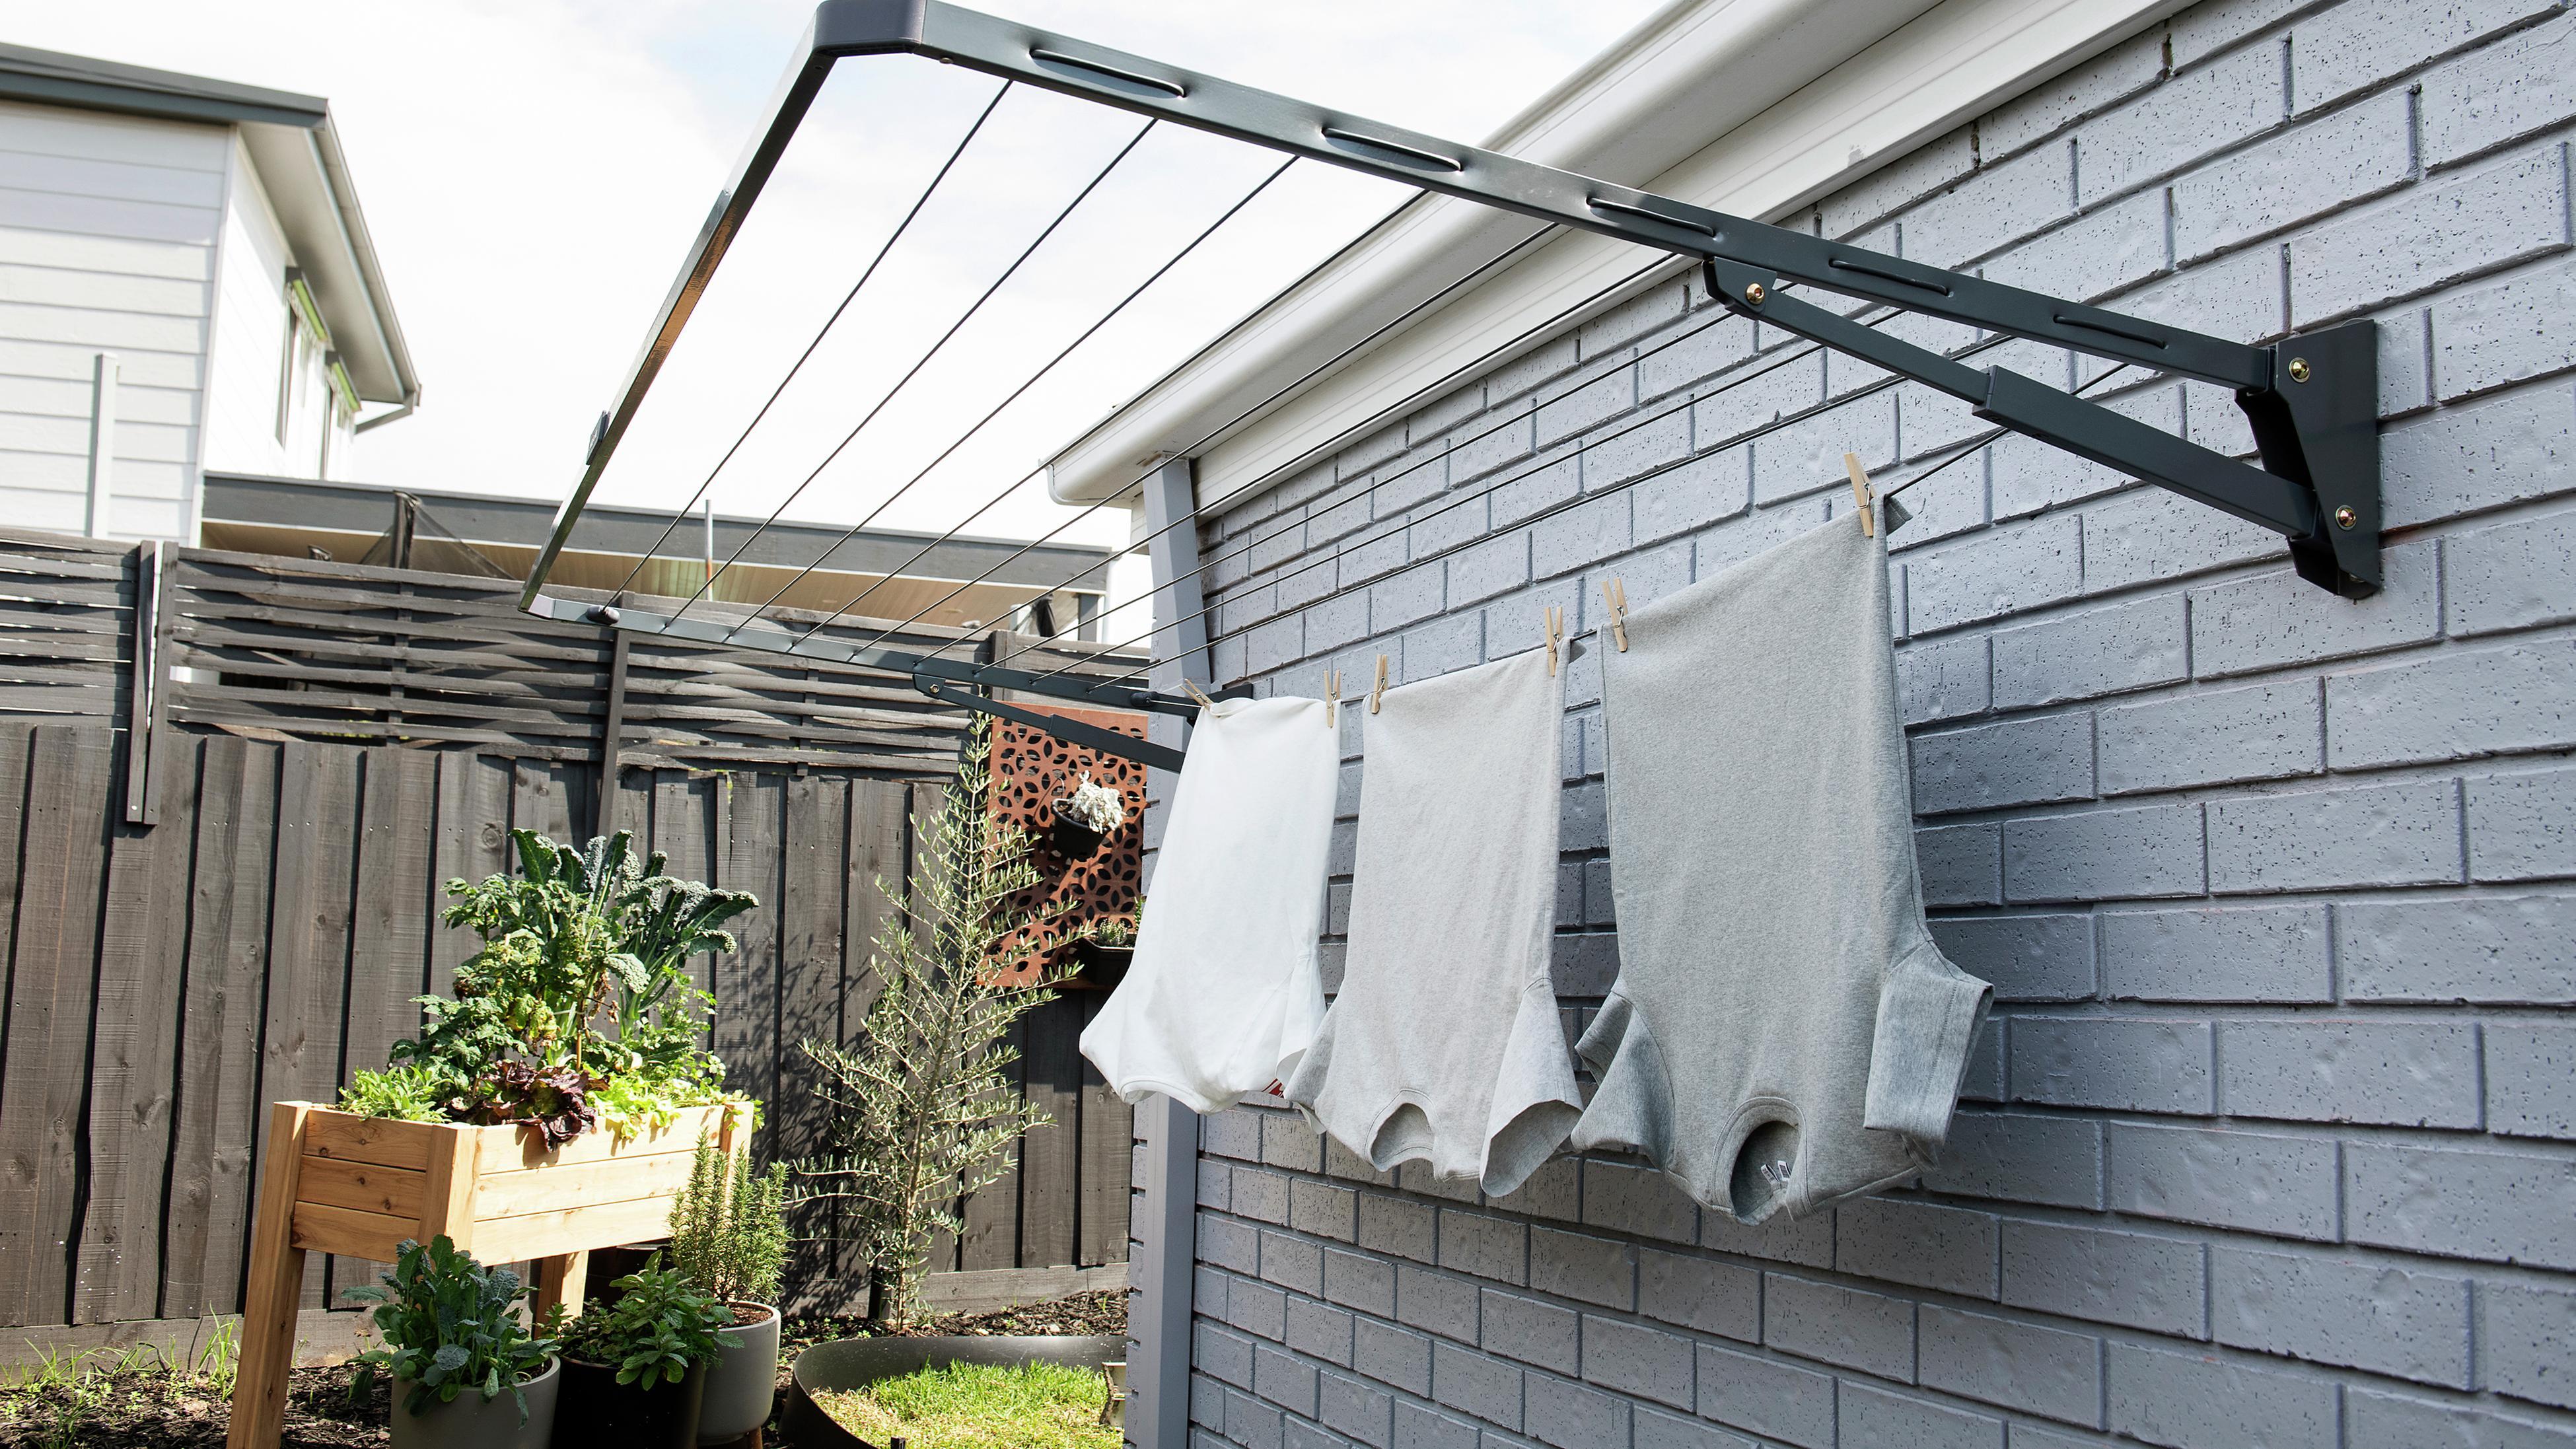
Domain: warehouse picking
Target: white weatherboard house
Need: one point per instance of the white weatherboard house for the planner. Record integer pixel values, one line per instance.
(186, 283)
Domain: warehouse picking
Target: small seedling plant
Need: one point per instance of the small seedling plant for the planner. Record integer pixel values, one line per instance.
(450, 1324)
(663, 1326)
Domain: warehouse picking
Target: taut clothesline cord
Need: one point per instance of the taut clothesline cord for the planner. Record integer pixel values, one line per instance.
(1577, 500)
(1407, 315)
(961, 441)
(924, 361)
(1248, 544)
(900, 227)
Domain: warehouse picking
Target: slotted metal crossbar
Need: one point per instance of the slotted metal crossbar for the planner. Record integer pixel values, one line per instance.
(2311, 398)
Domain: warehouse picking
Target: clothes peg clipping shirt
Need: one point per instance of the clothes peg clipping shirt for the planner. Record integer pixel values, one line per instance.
(1614, 594)
(1378, 694)
(1860, 494)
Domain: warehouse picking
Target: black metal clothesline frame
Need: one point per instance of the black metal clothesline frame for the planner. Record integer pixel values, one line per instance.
(2311, 398)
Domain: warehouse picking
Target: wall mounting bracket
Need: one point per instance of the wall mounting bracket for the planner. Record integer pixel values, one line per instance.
(2311, 398)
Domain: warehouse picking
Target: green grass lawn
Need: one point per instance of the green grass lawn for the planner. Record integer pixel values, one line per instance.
(979, 1406)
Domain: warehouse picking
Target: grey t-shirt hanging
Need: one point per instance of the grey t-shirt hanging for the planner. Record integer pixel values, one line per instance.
(1445, 1044)
(1783, 1033)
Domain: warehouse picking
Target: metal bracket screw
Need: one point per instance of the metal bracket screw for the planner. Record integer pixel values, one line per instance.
(1754, 294)
(2345, 517)
(2298, 369)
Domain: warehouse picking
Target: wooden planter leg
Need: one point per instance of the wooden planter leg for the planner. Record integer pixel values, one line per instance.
(276, 1288)
(565, 1280)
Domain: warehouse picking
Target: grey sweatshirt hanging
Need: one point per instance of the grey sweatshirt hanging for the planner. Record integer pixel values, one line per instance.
(1783, 1033)
(1445, 1044)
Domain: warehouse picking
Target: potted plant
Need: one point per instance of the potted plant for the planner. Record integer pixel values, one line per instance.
(466, 1372)
(1087, 817)
(729, 1237)
(1102, 953)
(635, 1375)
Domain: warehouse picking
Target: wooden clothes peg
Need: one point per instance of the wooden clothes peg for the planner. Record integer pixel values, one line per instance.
(1379, 693)
(1614, 594)
(1860, 493)
(1555, 636)
(1332, 693)
(1192, 686)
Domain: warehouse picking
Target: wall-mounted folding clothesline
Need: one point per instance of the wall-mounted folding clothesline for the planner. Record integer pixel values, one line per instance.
(2311, 398)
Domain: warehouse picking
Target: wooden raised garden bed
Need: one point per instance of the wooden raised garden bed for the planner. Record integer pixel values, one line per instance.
(336, 1183)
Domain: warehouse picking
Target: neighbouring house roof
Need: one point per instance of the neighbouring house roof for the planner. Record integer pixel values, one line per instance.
(1752, 107)
(291, 140)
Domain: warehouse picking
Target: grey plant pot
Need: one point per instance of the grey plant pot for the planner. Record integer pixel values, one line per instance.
(468, 1421)
(742, 1385)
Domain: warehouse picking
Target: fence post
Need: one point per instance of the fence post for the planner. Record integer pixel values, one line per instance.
(143, 702)
(611, 735)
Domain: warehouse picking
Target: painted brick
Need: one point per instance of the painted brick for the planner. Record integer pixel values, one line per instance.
(2523, 1333)
(1235, 1134)
(2510, 575)
(2362, 1315)
(2006, 571)
(1678, 500)
(2484, 338)
(1941, 680)
(2261, 1182)
(2128, 854)
(1905, 1240)
(1532, 1331)
(1292, 1263)
(1399, 1226)
(2500, 92)
(2185, 1399)
(2404, 834)
(1285, 1380)
(1319, 1330)
(1356, 1280)
(2309, 171)
(1656, 438)
(2496, 1206)
(2267, 621)
(2408, 1074)
(1257, 1309)
(1487, 1247)
(2037, 761)
(2137, 1279)
(1996, 205)
(2099, 651)
(1571, 1416)
(1574, 409)
(1834, 1324)
(1700, 1293)
(2491, 948)
(1961, 865)
(1705, 347)
(1298, 1434)
(2505, 449)
(1229, 1244)
(2211, 737)
(1767, 1396)
(1634, 1358)
(2466, 223)
(2261, 953)
(1227, 1356)
(1391, 1356)
(1637, 1200)
(2520, 825)
(2454, 705)
(2114, 246)
(1587, 1269)
(2045, 1371)
(1739, 539)
(2375, 1419)
(2025, 958)
(2531, 1078)
(2056, 1161)
(1655, 1430)
(1418, 1427)
(1928, 168)
(1438, 1302)
(1323, 1209)
(1805, 456)
(2027, 476)
(1876, 1416)
(1262, 1196)
(1252, 1423)
(1355, 1408)
(2352, 46)
(1488, 1389)
(2134, 1063)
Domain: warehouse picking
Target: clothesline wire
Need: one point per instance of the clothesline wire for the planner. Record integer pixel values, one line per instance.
(874, 262)
(1463, 369)
(1016, 393)
(1390, 325)
(923, 361)
(1577, 500)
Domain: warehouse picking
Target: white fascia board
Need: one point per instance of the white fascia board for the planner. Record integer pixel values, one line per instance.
(1836, 101)
(307, 181)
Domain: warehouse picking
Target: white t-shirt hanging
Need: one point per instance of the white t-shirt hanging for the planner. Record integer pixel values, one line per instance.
(1223, 994)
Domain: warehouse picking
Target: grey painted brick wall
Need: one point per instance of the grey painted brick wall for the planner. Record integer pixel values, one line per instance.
(2270, 1139)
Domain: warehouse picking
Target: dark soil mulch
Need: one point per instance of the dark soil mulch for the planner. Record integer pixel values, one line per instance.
(154, 1409)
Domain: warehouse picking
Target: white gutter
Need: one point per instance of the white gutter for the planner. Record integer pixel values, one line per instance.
(1800, 96)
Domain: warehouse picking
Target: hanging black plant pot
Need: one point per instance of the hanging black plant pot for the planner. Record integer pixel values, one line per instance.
(1070, 835)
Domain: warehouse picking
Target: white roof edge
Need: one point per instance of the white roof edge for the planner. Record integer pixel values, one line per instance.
(308, 184)
(1755, 107)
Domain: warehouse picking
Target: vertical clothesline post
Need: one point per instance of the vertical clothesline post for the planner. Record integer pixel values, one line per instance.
(1164, 1226)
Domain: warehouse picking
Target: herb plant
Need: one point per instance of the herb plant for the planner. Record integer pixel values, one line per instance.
(449, 1325)
(663, 1326)
(729, 1226)
(919, 1106)
(407, 1093)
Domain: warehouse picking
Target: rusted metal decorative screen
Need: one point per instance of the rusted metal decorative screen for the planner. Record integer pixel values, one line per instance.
(1031, 771)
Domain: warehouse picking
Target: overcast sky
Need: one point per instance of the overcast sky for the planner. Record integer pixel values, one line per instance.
(533, 170)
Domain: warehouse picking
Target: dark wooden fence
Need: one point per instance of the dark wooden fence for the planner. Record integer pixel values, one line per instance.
(248, 916)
